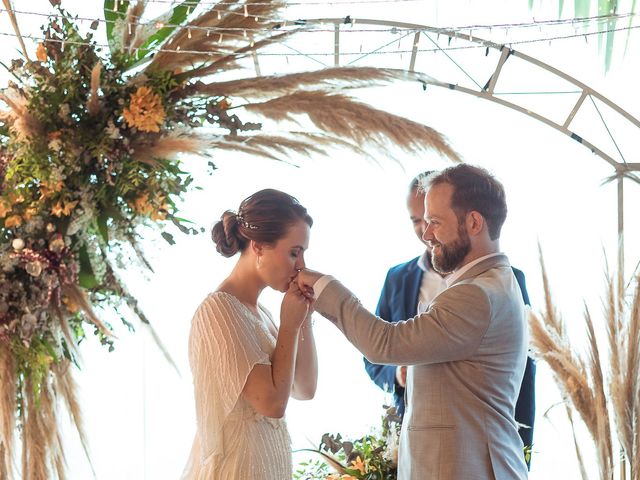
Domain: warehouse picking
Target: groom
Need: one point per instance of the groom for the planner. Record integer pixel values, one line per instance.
(466, 353)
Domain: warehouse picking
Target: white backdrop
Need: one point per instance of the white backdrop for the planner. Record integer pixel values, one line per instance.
(139, 412)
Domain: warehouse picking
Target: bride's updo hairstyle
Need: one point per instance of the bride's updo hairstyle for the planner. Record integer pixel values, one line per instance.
(264, 217)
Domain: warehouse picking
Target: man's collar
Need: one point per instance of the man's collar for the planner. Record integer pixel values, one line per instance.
(491, 259)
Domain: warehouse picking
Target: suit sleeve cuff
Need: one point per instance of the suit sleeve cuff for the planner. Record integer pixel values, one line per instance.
(321, 284)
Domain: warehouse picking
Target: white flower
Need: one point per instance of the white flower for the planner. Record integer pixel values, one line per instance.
(17, 244)
(34, 268)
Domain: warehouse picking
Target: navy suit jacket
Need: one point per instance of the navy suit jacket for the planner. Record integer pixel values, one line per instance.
(398, 301)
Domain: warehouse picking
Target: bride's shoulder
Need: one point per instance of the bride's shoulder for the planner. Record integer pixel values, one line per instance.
(218, 304)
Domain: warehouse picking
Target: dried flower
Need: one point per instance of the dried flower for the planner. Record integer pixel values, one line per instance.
(70, 304)
(64, 112)
(55, 143)
(29, 213)
(34, 268)
(112, 131)
(56, 244)
(145, 111)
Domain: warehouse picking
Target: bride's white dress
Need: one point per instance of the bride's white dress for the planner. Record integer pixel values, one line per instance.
(233, 441)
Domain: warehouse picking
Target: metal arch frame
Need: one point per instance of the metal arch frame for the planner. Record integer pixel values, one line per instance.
(622, 169)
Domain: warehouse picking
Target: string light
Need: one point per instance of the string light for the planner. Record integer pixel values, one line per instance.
(63, 42)
(536, 23)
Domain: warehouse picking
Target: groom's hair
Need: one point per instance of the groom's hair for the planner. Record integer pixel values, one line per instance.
(474, 189)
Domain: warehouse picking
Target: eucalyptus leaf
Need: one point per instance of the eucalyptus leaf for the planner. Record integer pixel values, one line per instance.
(103, 229)
(86, 277)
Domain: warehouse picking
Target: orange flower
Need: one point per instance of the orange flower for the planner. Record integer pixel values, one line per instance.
(15, 198)
(48, 189)
(4, 208)
(41, 53)
(142, 205)
(145, 111)
(359, 465)
(13, 221)
(59, 210)
(161, 212)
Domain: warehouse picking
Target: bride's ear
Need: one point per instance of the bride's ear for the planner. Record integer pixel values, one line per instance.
(256, 247)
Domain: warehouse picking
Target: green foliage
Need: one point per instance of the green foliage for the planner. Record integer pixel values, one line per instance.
(371, 457)
(584, 9)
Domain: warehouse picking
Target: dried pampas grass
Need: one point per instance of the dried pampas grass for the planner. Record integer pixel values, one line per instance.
(277, 85)
(344, 117)
(167, 146)
(134, 14)
(93, 104)
(231, 25)
(602, 390)
(19, 119)
(8, 395)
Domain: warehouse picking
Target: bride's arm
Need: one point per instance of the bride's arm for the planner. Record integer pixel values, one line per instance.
(305, 378)
(268, 387)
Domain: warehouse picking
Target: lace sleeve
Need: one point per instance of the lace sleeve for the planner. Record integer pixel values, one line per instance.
(223, 349)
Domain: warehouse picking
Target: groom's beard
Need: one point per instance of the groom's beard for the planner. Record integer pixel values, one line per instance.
(451, 255)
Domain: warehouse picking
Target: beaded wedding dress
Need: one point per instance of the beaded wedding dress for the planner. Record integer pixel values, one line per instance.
(233, 441)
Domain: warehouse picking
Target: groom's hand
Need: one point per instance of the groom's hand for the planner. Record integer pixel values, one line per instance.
(306, 280)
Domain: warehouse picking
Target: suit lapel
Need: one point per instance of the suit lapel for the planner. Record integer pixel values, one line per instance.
(413, 280)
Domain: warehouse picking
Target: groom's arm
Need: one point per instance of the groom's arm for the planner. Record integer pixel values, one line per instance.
(450, 330)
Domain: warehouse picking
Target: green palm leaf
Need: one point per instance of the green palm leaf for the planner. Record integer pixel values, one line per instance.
(112, 14)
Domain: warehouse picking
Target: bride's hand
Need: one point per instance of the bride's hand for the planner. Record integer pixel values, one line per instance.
(295, 307)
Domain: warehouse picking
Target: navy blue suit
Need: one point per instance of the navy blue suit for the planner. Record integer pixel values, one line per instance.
(398, 301)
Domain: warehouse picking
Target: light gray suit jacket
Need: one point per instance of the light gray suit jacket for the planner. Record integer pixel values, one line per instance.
(466, 358)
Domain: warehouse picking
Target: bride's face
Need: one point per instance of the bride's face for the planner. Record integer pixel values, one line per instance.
(279, 262)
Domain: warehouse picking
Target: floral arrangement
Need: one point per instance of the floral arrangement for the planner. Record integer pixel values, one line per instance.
(371, 457)
(89, 153)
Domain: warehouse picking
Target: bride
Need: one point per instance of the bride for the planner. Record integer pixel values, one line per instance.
(244, 366)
